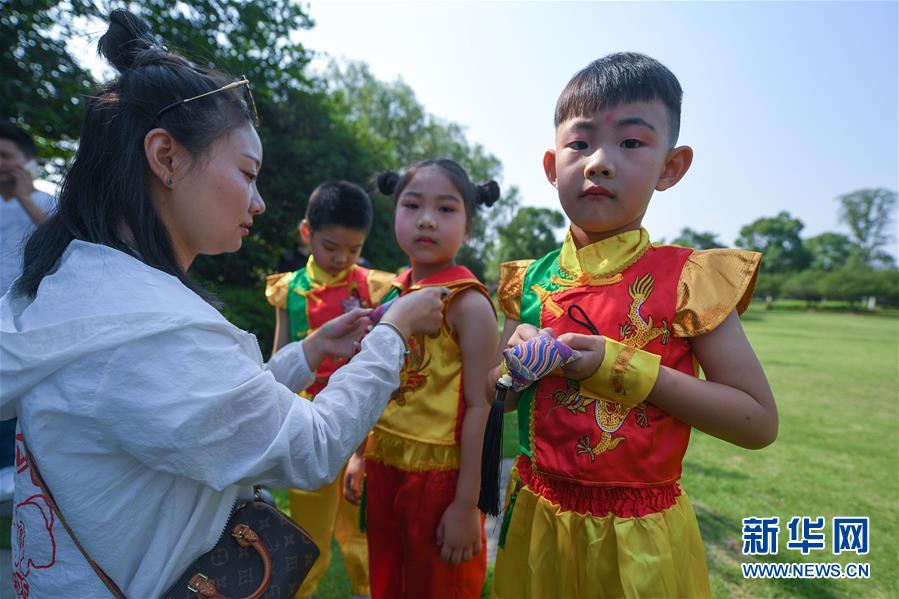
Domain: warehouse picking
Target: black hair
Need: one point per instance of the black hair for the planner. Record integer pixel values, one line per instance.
(391, 183)
(18, 136)
(339, 203)
(105, 195)
(618, 79)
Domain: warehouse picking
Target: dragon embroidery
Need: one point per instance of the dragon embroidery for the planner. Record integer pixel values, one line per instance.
(638, 332)
(609, 415)
(412, 376)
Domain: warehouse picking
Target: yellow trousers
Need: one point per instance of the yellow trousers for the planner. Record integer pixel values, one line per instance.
(550, 552)
(325, 514)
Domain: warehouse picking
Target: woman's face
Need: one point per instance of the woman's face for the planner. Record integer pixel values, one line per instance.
(212, 203)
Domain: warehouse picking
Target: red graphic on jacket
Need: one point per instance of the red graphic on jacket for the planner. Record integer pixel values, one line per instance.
(35, 544)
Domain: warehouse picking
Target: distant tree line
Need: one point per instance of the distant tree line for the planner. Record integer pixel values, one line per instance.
(853, 268)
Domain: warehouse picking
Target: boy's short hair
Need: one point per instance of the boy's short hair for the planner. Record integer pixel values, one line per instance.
(618, 79)
(16, 135)
(339, 203)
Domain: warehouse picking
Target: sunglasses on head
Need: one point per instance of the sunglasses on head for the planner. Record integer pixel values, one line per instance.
(241, 83)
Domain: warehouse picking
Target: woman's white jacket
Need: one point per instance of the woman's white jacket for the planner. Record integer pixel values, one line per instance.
(149, 415)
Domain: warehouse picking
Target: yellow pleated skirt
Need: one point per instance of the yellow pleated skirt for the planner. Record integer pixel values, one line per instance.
(326, 514)
(548, 552)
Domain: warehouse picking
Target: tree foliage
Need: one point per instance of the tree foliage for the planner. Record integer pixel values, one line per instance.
(699, 240)
(830, 251)
(870, 216)
(530, 234)
(399, 129)
(42, 85)
(313, 128)
(778, 239)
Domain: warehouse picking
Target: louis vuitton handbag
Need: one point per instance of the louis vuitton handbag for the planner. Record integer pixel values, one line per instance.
(262, 554)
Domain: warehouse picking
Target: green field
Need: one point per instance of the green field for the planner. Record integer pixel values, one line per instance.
(835, 380)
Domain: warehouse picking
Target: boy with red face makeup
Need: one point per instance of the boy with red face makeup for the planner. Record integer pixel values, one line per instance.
(594, 504)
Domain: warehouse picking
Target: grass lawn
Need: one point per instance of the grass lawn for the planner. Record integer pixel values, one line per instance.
(835, 380)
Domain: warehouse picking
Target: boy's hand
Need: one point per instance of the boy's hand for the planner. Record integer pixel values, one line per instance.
(459, 533)
(523, 332)
(352, 479)
(590, 351)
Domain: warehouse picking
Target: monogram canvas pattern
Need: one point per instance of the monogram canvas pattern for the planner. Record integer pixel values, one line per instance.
(238, 571)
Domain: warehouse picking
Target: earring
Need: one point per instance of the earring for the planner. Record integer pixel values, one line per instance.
(169, 181)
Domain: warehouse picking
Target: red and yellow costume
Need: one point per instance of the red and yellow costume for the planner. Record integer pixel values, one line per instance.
(312, 297)
(412, 464)
(594, 508)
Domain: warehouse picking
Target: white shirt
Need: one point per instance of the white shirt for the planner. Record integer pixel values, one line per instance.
(149, 415)
(15, 226)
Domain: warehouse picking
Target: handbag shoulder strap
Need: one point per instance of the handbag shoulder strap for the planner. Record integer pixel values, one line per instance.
(113, 588)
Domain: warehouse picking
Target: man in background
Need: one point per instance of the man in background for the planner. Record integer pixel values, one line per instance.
(23, 207)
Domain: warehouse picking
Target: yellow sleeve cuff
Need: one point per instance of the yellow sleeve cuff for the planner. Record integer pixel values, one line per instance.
(626, 375)
(276, 289)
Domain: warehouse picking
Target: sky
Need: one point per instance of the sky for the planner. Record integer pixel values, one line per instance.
(786, 105)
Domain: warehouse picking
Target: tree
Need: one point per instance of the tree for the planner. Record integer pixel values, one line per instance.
(698, 240)
(803, 285)
(42, 85)
(830, 251)
(869, 214)
(530, 234)
(778, 239)
(400, 131)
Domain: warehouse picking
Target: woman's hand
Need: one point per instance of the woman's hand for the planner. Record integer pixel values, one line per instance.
(419, 312)
(339, 337)
(352, 479)
(459, 533)
(589, 353)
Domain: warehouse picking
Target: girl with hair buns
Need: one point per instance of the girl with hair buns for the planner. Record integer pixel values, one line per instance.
(423, 459)
(148, 414)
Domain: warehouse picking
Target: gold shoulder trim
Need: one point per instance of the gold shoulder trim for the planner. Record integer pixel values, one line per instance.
(276, 289)
(511, 283)
(714, 283)
(379, 283)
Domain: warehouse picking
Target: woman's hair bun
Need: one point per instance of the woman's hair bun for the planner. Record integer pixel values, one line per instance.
(128, 41)
(387, 182)
(488, 193)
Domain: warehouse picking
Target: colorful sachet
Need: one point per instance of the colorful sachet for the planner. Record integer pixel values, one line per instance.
(532, 360)
(522, 366)
(380, 311)
(349, 304)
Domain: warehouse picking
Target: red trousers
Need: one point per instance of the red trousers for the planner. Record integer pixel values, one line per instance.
(403, 510)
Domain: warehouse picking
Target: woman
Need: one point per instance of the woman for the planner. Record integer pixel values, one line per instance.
(148, 413)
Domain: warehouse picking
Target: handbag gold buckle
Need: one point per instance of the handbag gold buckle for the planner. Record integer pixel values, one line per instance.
(195, 582)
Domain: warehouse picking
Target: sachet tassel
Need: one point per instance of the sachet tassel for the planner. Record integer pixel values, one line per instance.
(522, 365)
(491, 454)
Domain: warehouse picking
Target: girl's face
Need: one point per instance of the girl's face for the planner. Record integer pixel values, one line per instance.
(213, 203)
(430, 219)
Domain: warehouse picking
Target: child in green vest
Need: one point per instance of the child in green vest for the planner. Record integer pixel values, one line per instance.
(338, 219)
(594, 506)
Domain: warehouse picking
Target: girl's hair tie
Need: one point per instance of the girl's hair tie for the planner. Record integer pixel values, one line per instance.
(387, 182)
(488, 193)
